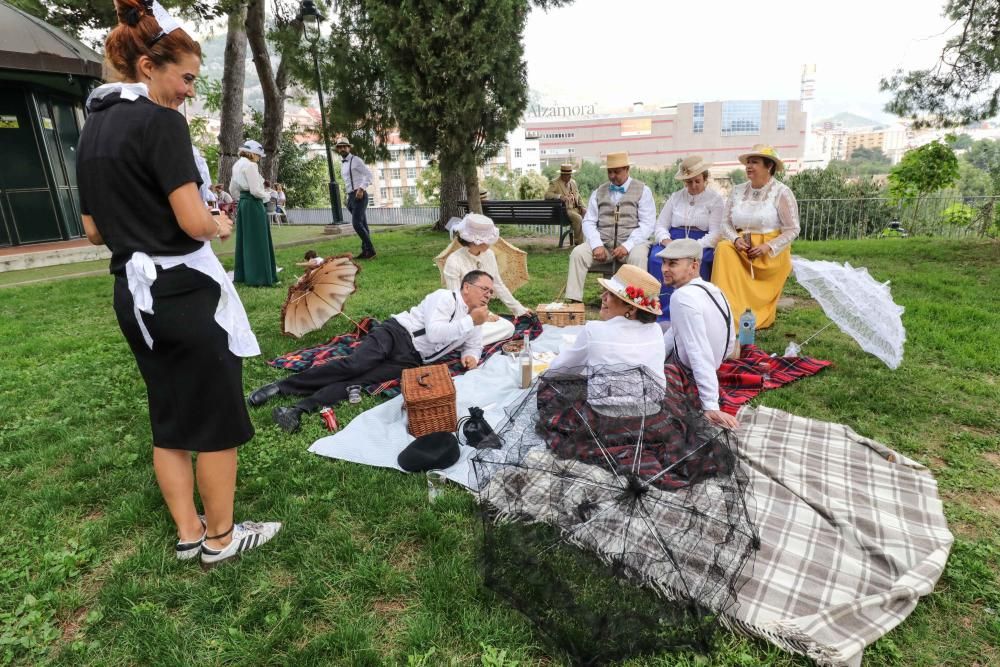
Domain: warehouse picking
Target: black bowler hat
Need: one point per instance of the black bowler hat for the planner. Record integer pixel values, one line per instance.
(430, 452)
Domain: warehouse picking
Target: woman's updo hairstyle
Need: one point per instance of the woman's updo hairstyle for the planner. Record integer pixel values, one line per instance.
(138, 34)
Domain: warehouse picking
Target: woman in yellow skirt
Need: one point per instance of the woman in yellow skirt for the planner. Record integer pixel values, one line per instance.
(753, 260)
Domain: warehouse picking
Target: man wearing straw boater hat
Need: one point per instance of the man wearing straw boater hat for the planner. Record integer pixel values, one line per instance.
(445, 320)
(357, 180)
(702, 329)
(564, 187)
(617, 226)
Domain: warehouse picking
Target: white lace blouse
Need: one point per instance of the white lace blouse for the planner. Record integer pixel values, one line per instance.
(702, 211)
(462, 261)
(762, 210)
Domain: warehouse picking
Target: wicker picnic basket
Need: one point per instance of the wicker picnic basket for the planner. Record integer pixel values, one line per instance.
(567, 314)
(429, 400)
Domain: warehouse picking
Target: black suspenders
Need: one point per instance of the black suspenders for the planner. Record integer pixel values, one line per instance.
(423, 332)
(727, 316)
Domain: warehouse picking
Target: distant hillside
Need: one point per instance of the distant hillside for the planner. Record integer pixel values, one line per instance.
(848, 121)
(213, 53)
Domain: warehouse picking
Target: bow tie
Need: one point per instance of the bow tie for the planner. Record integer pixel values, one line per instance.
(345, 159)
(618, 188)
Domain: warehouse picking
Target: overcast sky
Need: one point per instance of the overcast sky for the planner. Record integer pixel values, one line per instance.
(664, 51)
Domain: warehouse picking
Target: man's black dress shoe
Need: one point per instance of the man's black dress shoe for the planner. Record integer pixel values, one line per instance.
(287, 418)
(263, 395)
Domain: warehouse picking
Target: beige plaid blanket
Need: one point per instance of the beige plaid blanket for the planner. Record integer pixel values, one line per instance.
(852, 534)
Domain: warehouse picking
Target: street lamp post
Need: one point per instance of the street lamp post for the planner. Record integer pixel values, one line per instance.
(311, 19)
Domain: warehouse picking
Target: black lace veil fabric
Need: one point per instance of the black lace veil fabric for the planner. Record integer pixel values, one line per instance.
(618, 517)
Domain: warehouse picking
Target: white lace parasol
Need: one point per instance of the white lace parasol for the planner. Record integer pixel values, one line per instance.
(858, 304)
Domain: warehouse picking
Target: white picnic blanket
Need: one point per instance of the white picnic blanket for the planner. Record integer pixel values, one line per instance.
(377, 436)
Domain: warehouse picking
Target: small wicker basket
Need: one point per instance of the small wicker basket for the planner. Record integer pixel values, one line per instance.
(566, 315)
(429, 400)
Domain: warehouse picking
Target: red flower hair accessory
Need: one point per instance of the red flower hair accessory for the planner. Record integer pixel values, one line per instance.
(638, 296)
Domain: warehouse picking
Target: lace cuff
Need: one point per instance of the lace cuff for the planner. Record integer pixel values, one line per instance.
(788, 214)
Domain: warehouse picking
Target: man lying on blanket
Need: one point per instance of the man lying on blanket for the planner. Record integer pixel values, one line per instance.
(702, 332)
(444, 321)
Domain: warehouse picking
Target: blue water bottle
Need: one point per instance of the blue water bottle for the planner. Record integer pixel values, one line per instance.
(748, 327)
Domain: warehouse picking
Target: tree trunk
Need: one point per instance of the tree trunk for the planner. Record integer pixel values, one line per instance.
(472, 189)
(273, 85)
(452, 181)
(233, 75)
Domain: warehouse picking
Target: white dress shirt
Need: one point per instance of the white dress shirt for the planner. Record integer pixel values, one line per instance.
(355, 173)
(246, 178)
(445, 319)
(641, 234)
(462, 261)
(619, 342)
(702, 211)
(698, 332)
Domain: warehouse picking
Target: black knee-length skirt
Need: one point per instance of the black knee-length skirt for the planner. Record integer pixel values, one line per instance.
(194, 384)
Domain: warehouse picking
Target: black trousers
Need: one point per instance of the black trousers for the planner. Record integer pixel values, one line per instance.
(359, 220)
(381, 356)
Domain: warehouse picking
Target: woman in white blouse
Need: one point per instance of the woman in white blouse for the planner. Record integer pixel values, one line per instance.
(627, 335)
(753, 259)
(254, 251)
(693, 212)
(476, 233)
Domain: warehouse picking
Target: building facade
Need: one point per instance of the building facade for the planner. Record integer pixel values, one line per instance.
(396, 179)
(658, 138)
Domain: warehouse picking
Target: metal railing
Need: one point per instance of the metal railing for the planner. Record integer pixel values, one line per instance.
(820, 219)
(412, 215)
(857, 218)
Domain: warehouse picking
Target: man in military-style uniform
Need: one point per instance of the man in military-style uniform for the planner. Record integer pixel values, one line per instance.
(565, 188)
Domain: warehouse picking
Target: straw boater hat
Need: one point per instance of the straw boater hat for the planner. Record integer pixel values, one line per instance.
(616, 160)
(681, 249)
(476, 228)
(566, 169)
(763, 150)
(251, 146)
(691, 166)
(343, 141)
(635, 287)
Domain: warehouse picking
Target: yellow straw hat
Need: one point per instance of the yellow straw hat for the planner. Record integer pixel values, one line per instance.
(763, 150)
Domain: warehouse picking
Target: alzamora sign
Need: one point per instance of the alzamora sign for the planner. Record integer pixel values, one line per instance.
(539, 111)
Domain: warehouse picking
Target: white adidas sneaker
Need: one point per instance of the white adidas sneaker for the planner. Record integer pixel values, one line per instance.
(247, 535)
(189, 550)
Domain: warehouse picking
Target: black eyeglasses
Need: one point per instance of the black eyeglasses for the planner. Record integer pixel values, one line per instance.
(488, 291)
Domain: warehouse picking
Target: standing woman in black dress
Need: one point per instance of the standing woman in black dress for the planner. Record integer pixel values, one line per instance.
(176, 308)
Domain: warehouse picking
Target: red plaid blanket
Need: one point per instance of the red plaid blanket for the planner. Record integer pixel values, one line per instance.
(740, 380)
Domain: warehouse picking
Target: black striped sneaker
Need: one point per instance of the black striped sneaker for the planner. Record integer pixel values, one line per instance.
(246, 536)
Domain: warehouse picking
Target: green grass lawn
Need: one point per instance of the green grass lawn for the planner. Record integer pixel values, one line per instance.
(366, 572)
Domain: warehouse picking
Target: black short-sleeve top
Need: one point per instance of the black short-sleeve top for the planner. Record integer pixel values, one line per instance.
(132, 155)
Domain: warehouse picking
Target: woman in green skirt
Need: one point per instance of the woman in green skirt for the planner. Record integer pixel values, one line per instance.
(254, 250)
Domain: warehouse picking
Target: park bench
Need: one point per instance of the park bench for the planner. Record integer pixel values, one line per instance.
(529, 212)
